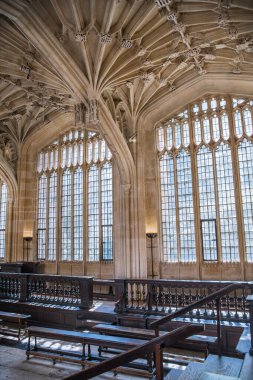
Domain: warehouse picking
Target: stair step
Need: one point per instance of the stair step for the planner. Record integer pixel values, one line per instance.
(223, 365)
(244, 343)
(192, 371)
(174, 374)
(247, 368)
(215, 376)
(214, 364)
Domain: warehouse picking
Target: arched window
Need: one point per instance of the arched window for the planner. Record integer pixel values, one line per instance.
(74, 212)
(209, 148)
(3, 218)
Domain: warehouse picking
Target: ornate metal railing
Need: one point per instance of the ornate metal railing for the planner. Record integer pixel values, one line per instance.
(48, 289)
(167, 296)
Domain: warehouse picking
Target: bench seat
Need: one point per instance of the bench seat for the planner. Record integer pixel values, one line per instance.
(200, 341)
(19, 319)
(84, 338)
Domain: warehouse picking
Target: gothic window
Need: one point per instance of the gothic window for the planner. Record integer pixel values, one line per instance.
(71, 187)
(3, 218)
(208, 147)
(177, 195)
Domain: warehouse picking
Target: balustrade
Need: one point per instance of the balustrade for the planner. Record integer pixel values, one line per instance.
(166, 296)
(53, 289)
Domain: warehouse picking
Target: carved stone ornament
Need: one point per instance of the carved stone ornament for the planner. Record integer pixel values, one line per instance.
(163, 3)
(8, 150)
(79, 113)
(92, 115)
(126, 43)
(80, 37)
(105, 38)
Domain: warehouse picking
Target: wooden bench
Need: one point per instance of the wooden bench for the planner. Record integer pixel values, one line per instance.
(19, 319)
(83, 338)
(200, 341)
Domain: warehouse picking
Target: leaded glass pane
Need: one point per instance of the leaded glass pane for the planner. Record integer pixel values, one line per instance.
(3, 218)
(95, 151)
(106, 212)
(215, 127)
(160, 139)
(169, 228)
(102, 150)
(238, 123)
(78, 215)
(206, 130)
(247, 121)
(80, 155)
(177, 135)
(66, 215)
(207, 205)
(227, 211)
(52, 217)
(169, 137)
(225, 126)
(186, 134)
(245, 154)
(93, 214)
(197, 131)
(42, 216)
(185, 208)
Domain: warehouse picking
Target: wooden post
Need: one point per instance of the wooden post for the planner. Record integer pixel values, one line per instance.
(23, 287)
(250, 302)
(158, 362)
(218, 310)
(86, 292)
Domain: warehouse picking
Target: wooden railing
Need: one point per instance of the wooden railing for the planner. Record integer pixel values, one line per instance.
(154, 346)
(47, 289)
(163, 297)
(216, 297)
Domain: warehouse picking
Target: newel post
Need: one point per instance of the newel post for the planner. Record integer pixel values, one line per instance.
(86, 292)
(23, 287)
(120, 295)
(250, 302)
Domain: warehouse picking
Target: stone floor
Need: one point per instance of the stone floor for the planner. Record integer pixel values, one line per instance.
(14, 366)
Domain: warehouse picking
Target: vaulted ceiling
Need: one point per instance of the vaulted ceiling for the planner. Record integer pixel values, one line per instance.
(59, 55)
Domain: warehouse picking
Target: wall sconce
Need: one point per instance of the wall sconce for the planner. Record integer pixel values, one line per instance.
(151, 236)
(133, 138)
(27, 240)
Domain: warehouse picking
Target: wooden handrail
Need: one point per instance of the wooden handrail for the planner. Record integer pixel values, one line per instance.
(147, 348)
(195, 305)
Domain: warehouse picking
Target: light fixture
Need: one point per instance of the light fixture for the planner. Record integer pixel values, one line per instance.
(133, 138)
(151, 236)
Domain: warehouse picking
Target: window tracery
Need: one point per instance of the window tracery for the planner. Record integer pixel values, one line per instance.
(209, 144)
(74, 180)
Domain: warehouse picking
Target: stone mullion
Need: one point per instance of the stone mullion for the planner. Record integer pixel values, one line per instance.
(100, 214)
(177, 207)
(59, 219)
(217, 208)
(85, 203)
(47, 215)
(72, 171)
(192, 150)
(237, 187)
